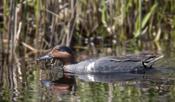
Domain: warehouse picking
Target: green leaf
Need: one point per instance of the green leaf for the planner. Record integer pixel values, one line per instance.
(147, 17)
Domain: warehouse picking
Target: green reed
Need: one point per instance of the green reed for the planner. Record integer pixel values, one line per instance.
(47, 23)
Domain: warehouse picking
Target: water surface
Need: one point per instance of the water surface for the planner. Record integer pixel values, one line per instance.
(28, 80)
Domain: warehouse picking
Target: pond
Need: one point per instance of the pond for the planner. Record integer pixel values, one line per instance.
(29, 81)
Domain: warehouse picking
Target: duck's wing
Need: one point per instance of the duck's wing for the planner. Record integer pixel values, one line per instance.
(126, 63)
(114, 64)
(120, 59)
(146, 59)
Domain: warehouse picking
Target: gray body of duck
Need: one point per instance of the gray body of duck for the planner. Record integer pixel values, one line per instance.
(126, 64)
(112, 64)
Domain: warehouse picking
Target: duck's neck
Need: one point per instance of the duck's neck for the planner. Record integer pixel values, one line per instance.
(67, 61)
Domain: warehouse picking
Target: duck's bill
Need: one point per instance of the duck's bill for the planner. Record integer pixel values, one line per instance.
(46, 57)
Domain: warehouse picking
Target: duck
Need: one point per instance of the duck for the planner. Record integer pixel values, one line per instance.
(138, 63)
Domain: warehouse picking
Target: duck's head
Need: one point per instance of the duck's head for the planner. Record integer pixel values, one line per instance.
(62, 53)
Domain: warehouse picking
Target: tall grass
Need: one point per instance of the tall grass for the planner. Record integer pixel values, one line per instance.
(31, 25)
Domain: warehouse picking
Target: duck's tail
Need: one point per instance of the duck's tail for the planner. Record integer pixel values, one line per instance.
(147, 63)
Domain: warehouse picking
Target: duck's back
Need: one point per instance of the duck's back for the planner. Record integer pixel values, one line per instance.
(114, 64)
(108, 65)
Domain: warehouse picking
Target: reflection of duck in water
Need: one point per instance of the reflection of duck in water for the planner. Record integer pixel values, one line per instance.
(63, 85)
(125, 64)
(111, 77)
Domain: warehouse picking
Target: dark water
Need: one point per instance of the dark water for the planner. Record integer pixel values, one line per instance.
(28, 81)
